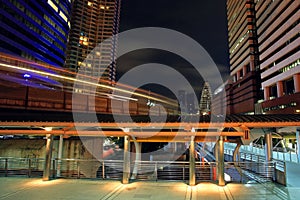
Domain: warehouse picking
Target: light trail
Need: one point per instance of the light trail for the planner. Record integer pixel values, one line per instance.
(59, 69)
(87, 83)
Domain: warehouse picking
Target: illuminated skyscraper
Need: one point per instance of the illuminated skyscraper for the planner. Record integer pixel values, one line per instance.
(93, 21)
(279, 46)
(35, 30)
(243, 90)
(205, 100)
(264, 56)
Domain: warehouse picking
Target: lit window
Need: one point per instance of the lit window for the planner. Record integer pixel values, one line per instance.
(90, 3)
(63, 16)
(102, 7)
(53, 5)
(83, 40)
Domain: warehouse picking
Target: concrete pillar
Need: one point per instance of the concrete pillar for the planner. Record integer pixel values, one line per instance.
(268, 146)
(268, 153)
(279, 88)
(297, 82)
(238, 76)
(252, 66)
(298, 143)
(59, 156)
(267, 93)
(216, 152)
(192, 180)
(126, 163)
(245, 70)
(47, 166)
(221, 161)
(138, 158)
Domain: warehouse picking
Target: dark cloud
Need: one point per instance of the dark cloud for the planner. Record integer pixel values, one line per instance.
(204, 21)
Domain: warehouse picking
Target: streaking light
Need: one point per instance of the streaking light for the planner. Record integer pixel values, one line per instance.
(85, 82)
(27, 76)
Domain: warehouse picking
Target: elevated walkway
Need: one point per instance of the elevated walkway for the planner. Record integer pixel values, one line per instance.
(31, 189)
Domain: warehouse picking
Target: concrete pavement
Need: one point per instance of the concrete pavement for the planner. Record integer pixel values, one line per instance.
(15, 188)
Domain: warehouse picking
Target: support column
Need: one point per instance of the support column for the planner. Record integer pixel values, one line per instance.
(279, 89)
(268, 146)
(237, 76)
(138, 157)
(221, 161)
(192, 180)
(268, 153)
(267, 93)
(47, 166)
(59, 156)
(216, 152)
(126, 163)
(298, 143)
(296, 78)
(245, 70)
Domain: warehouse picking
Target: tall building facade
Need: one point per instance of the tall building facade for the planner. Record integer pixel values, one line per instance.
(243, 90)
(279, 46)
(35, 30)
(205, 100)
(92, 22)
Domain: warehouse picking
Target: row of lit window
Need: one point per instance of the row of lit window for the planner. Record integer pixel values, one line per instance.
(58, 28)
(289, 67)
(35, 28)
(63, 16)
(280, 107)
(37, 20)
(241, 39)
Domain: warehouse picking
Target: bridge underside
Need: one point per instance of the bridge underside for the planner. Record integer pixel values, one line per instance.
(141, 129)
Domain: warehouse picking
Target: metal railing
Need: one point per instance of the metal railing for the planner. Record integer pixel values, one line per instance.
(275, 170)
(278, 152)
(30, 167)
(240, 172)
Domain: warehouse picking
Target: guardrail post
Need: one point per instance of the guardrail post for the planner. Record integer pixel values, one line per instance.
(103, 170)
(155, 171)
(78, 169)
(6, 167)
(274, 172)
(53, 169)
(47, 166)
(29, 167)
(298, 144)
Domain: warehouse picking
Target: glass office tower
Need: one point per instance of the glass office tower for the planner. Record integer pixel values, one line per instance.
(93, 21)
(35, 30)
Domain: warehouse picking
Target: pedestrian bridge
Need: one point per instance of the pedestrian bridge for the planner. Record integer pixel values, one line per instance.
(220, 129)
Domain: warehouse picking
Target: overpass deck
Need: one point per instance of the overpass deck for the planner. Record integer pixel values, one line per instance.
(142, 129)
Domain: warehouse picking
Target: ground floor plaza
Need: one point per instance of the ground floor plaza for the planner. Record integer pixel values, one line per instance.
(16, 188)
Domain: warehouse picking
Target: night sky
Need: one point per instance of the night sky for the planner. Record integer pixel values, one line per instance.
(204, 21)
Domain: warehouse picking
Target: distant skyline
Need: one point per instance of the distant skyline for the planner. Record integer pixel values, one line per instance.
(204, 21)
